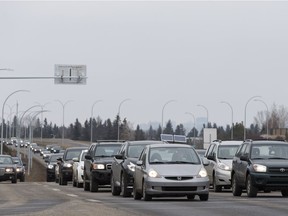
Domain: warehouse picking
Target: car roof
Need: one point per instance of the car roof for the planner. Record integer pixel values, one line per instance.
(71, 148)
(145, 142)
(228, 142)
(168, 145)
(109, 143)
(261, 142)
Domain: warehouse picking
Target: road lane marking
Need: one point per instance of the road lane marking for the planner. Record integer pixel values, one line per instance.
(55, 189)
(93, 200)
(72, 195)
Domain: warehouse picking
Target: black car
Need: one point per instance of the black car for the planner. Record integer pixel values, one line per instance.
(123, 166)
(97, 164)
(8, 169)
(51, 162)
(20, 168)
(65, 164)
(260, 166)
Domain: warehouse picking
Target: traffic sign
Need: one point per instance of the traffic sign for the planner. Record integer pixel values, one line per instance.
(70, 74)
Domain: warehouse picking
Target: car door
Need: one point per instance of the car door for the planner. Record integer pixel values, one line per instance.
(240, 165)
(88, 162)
(117, 164)
(211, 153)
(140, 170)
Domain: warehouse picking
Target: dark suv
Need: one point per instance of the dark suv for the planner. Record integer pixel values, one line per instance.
(65, 164)
(123, 167)
(20, 168)
(8, 169)
(260, 166)
(97, 164)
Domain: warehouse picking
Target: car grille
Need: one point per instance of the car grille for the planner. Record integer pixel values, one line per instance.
(178, 178)
(278, 170)
(108, 166)
(179, 188)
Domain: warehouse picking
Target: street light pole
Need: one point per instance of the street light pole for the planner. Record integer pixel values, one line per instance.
(245, 114)
(206, 112)
(91, 135)
(41, 124)
(63, 106)
(2, 126)
(266, 115)
(170, 101)
(118, 130)
(231, 117)
(189, 113)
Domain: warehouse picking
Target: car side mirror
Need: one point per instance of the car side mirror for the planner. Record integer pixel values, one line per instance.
(211, 157)
(139, 163)
(119, 156)
(88, 157)
(205, 161)
(244, 157)
(75, 159)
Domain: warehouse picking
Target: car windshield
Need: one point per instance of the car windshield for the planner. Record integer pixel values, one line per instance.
(53, 158)
(173, 155)
(107, 150)
(17, 160)
(269, 151)
(73, 153)
(134, 151)
(6, 160)
(227, 151)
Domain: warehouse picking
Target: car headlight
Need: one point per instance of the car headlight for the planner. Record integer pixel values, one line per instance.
(223, 166)
(99, 166)
(50, 166)
(259, 168)
(68, 165)
(202, 173)
(9, 170)
(153, 174)
(19, 169)
(131, 166)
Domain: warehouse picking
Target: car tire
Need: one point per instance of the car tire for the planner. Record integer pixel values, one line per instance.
(284, 193)
(216, 187)
(93, 185)
(191, 197)
(236, 189)
(204, 197)
(86, 185)
(114, 189)
(14, 180)
(136, 195)
(124, 185)
(146, 197)
(250, 189)
(79, 185)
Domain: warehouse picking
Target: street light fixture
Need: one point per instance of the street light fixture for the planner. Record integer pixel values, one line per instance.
(266, 114)
(245, 114)
(189, 113)
(170, 101)
(63, 106)
(2, 127)
(91, 135)
(118, 129)
(206, 112)
(231, 117)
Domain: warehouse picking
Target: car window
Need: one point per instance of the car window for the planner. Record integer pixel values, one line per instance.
(72, 154)
(209, 151)
(241, 150)
(107, 150)
(134, 151)
(6, 160)
(227, 151)
(269, 151)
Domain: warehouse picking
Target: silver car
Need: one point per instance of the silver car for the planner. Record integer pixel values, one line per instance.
(220, 155)
(167, 170)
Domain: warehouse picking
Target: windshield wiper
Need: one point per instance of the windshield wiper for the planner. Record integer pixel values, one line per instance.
(102, 156)
(158, 162)
(278, 158)
(183, 162)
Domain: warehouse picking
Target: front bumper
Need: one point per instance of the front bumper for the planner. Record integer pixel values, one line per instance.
(164, 187)
(270, 181)
(102, 176)
(5, 176)
(66, 173)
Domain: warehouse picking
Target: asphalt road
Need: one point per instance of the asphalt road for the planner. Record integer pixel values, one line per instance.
(43, 198)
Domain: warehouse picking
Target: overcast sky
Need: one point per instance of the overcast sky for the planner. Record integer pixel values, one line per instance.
(193, 52)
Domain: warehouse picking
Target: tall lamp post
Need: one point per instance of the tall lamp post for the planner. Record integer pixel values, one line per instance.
(266, 114)
(245, 110)
(63, 114)
(170, 101)
(189, 113)
(92, 118)
(41, 124)
(232, 123)
(206, 112)
(2, 126)
(118, 129)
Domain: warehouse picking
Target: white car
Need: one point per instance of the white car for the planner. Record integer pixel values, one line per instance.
(78, 167)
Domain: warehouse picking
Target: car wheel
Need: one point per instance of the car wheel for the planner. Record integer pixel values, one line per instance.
(86, 185)
(284, 193)
(79, 185)
(114, 189)
(191, 197)
(216, 187)
(124, 185)
(251, 190)
(204, 197)
(22, 178)
(14, 180)
(146, 196)
(136, 195)
(236, 189)
(93, 185)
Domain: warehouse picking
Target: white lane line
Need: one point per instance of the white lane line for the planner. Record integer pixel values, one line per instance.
(55, 189)
(72, 195)
(93, 200)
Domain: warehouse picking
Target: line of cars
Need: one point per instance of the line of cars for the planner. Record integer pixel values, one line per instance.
(143, 168)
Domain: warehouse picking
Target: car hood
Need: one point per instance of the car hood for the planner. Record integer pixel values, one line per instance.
(227, 162)
(103, 160)
(177, 169)
(272, 162)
